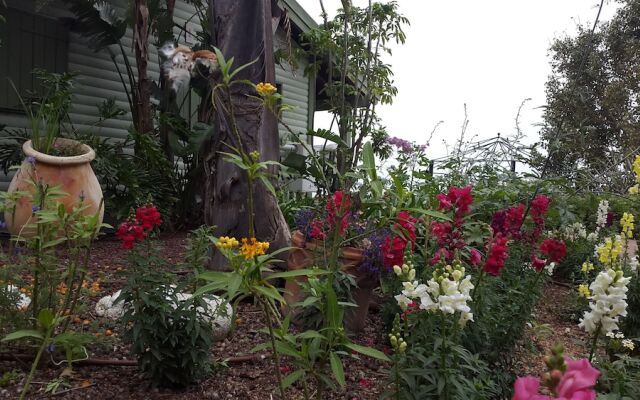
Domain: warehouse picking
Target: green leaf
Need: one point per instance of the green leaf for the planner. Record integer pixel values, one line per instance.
(268, 184)
(368, 351)
(235, 280)
(46, 318)
(311, 334)
(435, 214)
(292, 378)
(215, 276)
(336, 368)
(297, 272)
(369, 161)
(23, 334)
(269, 293)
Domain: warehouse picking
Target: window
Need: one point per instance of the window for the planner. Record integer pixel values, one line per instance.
(28, 41)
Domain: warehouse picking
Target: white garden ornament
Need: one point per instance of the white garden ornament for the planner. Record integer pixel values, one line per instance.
(219, 318)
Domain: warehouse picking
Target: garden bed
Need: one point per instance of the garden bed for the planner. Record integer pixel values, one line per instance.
(254, 378)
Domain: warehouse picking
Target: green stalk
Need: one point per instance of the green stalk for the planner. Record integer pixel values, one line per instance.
(276, 357)
(34, 366)
(594, 344)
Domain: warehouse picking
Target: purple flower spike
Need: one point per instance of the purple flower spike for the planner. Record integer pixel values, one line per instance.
(35, 209)
(31, 160)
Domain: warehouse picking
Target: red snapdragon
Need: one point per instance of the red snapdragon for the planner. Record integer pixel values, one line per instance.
(135, 228)
(497, 253)
(538, 263)
(555, 250)
(338, 207)
(459, 199)
(394, 247)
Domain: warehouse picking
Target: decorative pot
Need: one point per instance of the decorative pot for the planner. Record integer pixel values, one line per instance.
(73, 173)
(303, 254)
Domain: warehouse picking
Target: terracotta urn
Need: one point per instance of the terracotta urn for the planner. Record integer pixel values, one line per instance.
(307, 254)
(73, 173)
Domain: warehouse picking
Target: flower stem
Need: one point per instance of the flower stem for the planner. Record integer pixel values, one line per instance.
(276, 357)
(594, 344)
(34, 366)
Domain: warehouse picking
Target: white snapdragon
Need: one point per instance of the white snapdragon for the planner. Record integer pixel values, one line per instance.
(574, 232)
(608, 302)
(549, 268)
(601, 215)
(448, 292)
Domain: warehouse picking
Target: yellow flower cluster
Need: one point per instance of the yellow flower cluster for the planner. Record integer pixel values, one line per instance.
(627, 225)
(636, 168)
(251, 248)
(635, 189)
(610, 251)
(587, 266)
(226, 242)
(265, 89)
(583, 290)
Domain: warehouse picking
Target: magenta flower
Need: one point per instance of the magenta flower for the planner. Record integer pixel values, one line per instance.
(576, 384)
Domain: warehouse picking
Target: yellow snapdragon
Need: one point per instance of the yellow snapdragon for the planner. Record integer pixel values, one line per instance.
(627, 225)
(636, 168)
(583, 290)
(587, 266)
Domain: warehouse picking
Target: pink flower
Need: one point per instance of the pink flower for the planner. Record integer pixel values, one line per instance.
(576, 384)
(579, 379)
(526, 388)
(474, 257)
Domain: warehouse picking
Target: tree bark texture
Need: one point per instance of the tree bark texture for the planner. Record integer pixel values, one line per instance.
(243, 30)
(144, 123)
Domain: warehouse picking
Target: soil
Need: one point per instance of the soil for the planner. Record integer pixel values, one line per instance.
(253, 379)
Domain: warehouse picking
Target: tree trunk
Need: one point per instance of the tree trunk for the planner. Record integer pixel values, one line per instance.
(243, 30)
(144, 123)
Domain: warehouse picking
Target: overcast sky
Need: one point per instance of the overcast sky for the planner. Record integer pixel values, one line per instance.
(488, 54)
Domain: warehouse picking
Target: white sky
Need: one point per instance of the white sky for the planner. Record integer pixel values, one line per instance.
(489, 54)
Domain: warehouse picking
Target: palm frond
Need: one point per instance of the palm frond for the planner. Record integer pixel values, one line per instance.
(97, 21)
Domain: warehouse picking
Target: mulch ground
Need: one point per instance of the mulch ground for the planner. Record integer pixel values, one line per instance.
(254, 379)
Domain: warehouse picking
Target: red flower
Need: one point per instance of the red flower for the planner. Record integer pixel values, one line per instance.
(338, 207)
(496, 255)
(148, 216)
(474, 257)
(538, 263)
(406, 221)
(508, 222)
(556, 250)
(540, 205)
(393, 251)
(458, 198)
(316, 230)
(129, 232)
(284, 369)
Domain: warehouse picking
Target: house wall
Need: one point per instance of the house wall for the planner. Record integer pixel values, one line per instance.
(98, 79)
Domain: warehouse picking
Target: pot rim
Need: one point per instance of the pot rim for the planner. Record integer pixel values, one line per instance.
(87, 157)
(351, 253)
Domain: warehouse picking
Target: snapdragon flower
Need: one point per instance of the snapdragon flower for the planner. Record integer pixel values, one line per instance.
(601, 215)
(608, 302)
(447, 292)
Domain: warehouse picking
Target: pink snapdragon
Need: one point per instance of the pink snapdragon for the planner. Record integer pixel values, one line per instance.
(576, 383)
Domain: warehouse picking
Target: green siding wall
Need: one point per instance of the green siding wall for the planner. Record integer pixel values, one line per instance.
(98, 79)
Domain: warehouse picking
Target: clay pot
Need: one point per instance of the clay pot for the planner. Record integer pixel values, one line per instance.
(307, 254)
(74, 174)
